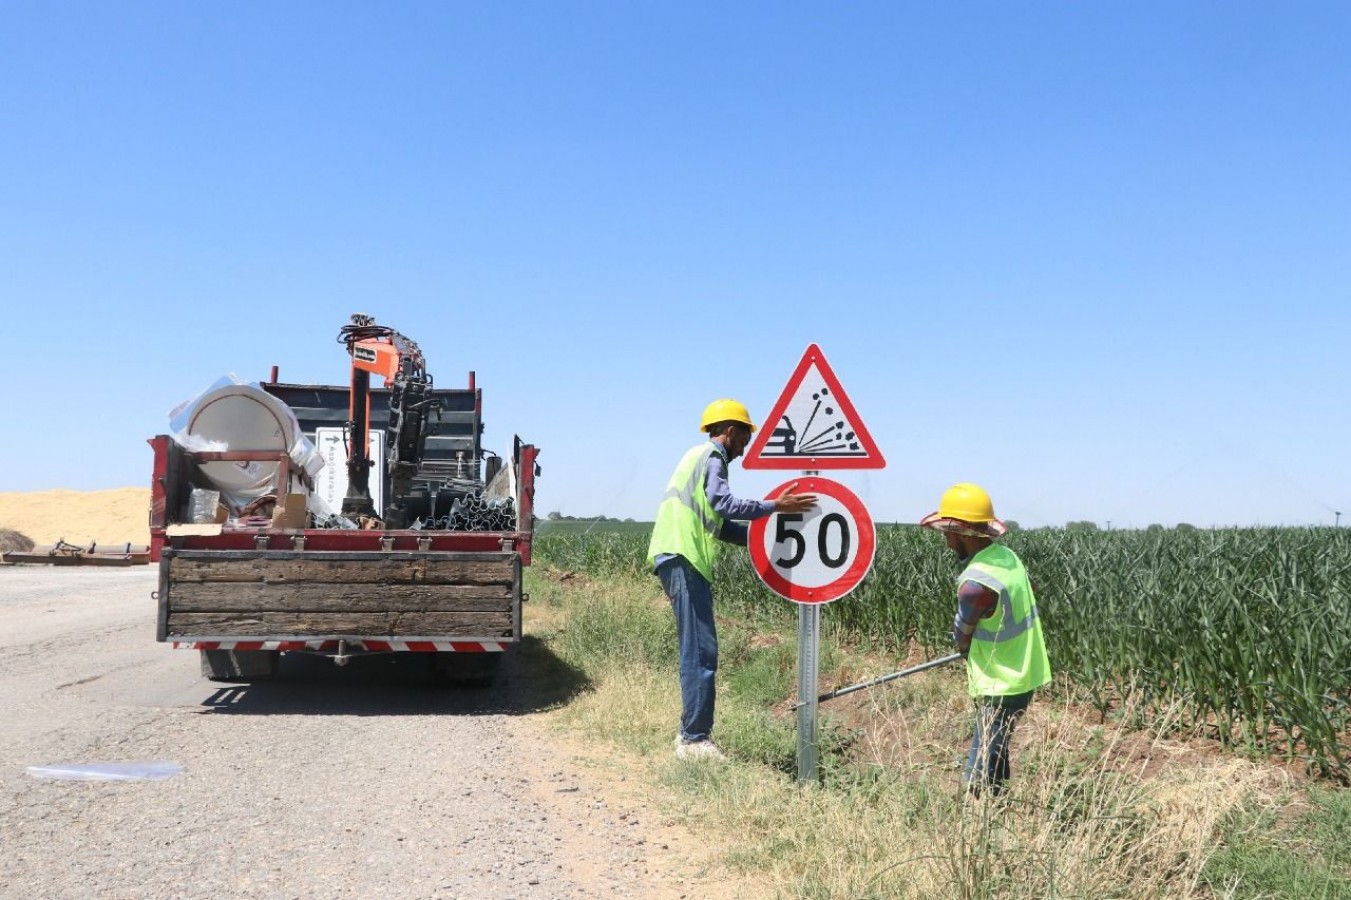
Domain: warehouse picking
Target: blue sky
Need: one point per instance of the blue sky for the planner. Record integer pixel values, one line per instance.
(1093, 257)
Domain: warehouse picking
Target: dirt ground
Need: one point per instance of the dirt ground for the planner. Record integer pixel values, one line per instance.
(670, 860)
(111, 517)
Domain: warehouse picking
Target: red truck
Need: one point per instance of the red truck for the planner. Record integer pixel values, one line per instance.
(423, 553)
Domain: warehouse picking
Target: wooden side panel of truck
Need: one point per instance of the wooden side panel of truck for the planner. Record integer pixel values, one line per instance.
(276, 595)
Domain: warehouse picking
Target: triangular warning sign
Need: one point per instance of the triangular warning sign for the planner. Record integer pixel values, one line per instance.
(813, 425)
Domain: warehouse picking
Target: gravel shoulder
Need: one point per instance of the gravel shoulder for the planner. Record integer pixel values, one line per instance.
(331, 782)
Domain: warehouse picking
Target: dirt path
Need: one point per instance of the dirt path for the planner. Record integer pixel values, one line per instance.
(357, 781)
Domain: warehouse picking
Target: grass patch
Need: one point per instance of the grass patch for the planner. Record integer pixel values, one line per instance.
(1268, 855)
(762, 675)
(1095, 810)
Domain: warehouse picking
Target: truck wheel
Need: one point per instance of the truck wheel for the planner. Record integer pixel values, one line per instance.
(239, 665)
(476, 670)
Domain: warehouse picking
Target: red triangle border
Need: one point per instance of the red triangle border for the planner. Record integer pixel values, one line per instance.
(872, 457)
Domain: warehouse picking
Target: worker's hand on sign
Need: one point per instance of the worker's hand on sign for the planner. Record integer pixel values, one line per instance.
(789, 502)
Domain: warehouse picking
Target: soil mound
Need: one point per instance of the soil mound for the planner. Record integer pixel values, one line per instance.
(11, 541)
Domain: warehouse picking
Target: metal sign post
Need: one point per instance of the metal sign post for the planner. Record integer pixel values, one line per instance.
(808, 665)
(818, 556)
(808, 658)
(812, 559)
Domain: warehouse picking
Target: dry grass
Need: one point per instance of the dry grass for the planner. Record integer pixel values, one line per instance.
(1074, 824)
(1093, 811)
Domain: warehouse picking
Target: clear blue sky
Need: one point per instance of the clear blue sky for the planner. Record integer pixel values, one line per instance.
(1095, 257)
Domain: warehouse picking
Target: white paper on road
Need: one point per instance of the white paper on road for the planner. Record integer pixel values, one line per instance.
(125, 771)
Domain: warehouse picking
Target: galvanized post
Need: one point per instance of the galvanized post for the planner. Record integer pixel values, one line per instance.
(808, 647)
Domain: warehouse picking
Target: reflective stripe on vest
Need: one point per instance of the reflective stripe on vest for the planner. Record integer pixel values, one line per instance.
(687, 524)
(1008, 629)
(1008, 652)
(694, 499)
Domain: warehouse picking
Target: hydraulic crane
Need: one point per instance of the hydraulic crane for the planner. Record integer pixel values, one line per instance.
(397, 359)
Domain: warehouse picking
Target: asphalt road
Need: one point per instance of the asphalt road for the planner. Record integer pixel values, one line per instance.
(363, 781)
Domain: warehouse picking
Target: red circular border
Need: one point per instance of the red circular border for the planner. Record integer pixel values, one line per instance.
(848, 579)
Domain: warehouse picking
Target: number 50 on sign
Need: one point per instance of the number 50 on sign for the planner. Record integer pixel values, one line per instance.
(819, 555)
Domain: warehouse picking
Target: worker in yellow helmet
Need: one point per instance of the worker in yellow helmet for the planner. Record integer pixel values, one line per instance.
(697, 512)
(996, 629)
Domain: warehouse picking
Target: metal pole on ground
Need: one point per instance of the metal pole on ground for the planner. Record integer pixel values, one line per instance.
(922, 667)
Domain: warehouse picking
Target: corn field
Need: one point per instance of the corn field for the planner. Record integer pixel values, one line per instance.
(1247, 631)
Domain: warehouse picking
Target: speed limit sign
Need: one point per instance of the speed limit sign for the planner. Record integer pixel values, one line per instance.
(819, 555)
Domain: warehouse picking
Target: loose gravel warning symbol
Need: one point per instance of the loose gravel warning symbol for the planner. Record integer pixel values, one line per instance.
(813, 425)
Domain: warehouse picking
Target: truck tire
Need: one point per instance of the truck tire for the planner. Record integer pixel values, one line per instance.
(476, 670)
(239, 665)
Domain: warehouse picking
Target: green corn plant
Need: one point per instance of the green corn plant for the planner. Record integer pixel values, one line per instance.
(1247, 631)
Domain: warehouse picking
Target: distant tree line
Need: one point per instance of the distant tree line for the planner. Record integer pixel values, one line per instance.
(1012, 524)
(556, 516)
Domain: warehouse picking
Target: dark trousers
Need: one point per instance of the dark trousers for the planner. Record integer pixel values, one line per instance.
(987, 765)
(692, 602)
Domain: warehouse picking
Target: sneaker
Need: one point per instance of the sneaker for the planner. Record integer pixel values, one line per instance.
(697, 750)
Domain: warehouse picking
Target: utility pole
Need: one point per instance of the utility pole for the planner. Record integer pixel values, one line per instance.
(1337, 522)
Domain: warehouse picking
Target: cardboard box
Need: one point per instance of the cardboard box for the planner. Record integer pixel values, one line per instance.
(291, 512)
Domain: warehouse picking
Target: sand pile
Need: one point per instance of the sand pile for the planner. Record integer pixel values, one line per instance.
(118, 516)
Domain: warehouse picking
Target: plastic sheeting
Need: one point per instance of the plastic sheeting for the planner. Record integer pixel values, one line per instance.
(120, 771)
(232, 415)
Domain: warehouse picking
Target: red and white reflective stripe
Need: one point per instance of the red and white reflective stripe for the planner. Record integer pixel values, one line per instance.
(369, 644)
(254, 645)
(434, 646)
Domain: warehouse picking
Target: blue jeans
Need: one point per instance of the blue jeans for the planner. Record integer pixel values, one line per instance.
(987, 765)
(692, 601)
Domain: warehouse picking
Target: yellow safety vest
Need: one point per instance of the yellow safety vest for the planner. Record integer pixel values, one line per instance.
(686, 523)
(1008, 654)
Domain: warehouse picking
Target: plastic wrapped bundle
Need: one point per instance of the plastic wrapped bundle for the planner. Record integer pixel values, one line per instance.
(232, 416)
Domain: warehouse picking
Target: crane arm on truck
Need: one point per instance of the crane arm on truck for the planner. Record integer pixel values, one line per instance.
(378, 349)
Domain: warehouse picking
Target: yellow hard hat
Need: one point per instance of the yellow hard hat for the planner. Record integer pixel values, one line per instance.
(965, 508)
(725, 411)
